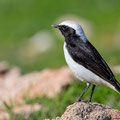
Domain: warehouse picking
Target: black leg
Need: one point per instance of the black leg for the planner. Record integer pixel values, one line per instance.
(91, 93)
(79, 99)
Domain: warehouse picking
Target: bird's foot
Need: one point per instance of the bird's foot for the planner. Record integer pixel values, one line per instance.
(86, 101)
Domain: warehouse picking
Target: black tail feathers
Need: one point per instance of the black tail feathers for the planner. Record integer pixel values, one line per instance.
(117, 87)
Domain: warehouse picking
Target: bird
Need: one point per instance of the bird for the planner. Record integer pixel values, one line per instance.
(84, 60)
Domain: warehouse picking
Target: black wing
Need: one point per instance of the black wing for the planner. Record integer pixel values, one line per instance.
(86, 55)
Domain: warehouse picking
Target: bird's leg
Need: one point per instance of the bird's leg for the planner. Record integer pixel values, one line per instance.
(79, 99)
(91, 93)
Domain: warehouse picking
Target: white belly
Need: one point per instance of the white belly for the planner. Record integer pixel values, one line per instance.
(82, 73)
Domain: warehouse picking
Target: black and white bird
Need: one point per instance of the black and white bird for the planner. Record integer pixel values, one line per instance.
(84, 60)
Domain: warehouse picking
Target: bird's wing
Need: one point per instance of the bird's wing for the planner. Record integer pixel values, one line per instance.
(86, 55)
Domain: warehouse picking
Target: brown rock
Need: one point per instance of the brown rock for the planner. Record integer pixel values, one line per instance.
(14, 86)
(3, 68)
(51, 82)
(89, 111)
(4, 116)
(26, 109)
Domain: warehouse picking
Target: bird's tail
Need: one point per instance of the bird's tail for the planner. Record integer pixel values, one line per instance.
(117, 87)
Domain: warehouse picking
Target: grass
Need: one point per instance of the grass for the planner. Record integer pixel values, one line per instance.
(20, 20)
(51, 108)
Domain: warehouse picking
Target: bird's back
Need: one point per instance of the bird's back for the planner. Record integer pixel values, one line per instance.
(86, 55)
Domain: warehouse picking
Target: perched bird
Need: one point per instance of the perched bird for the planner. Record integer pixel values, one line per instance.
(84, 60)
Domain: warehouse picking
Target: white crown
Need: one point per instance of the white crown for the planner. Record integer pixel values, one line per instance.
(77, 27)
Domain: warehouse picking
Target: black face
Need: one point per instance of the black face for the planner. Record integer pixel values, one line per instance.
(66, 31)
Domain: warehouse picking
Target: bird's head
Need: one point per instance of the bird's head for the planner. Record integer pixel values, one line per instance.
(68, 28)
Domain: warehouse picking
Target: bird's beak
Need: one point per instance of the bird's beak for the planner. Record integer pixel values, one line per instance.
(55, 26)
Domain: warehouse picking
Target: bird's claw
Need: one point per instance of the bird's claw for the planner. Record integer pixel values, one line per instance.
(86, 101)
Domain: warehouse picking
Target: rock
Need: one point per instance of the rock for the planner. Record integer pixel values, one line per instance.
(26, 109)
(4, 116)
(51, 82)
(3, 68)
(14, 86)
(89, 111)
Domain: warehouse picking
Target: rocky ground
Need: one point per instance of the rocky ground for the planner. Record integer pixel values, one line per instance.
(89, 111)
(14, 87)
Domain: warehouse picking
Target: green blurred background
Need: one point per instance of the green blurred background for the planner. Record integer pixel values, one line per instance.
(28, 41)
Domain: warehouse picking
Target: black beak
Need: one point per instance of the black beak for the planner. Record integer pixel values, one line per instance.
(55, 26)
